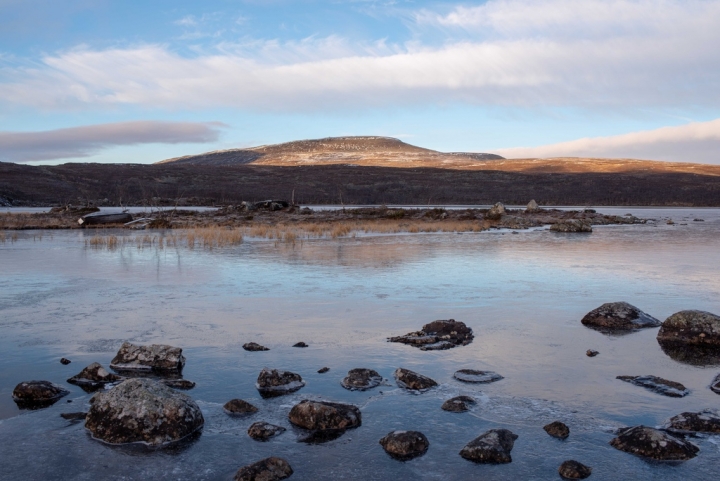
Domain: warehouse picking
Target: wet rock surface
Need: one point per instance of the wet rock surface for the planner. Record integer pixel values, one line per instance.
(413, 381)
(361, 379)
(239, 407)
(438, 335)
(37, 394)
(557, 429)
(143, 410)
(262, 431)
(706, 421)
(272, 382)
(156, 357)
(493, 447)
(653, 443)
(65, 361)
(268, 469)
(300, 344)
(657, 384)
(323, 370)
(618, 316)
(405, 445)
(183, 384)
(691, 328)
(474, 376)
(458, 404)
(254, 347)
(325, 416)
(572, 225)
(574, 470)
(94, 377)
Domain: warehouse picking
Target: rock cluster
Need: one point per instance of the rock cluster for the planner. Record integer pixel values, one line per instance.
(413, 381)
(618, 316)
(37, 394)
(156, 357)
(653, 443)
(473, 376)
(268, 469)
(458, 404)
(438, 335)
(405, 445)
(492, 447)
(658, 385)
(271, 382)
(361, 379)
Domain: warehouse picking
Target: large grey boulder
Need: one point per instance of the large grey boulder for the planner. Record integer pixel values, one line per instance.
(706, 421)
(495, 212)
(324, 416)
(361, 379)
(142, 411)
(413, 381)
(94, 377)
(272, 382)
(618, 316)
(405, 445)
(438, 335)
(493, 447)
(37, 394)
(658, 385)
(156, 357)
(653, 443)
(691, 328)
(532, 207)
(268, 469)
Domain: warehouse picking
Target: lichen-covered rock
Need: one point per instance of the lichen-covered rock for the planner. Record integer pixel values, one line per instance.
(37, 394)
(271, 382)
(653, 443)
(495, 212)
(493, 447)
(156, 357)
(618, 316)
(691, 328)
(413, 381)
(94, 377)
(572, 225)
(183, 384)
(458, 404)
(405, 445)
(574, 470)
(706, 421)
(557, 429)
(532, 207)
(438, 335)
(262, 431)
(239, 407)
(361, 379)
(268, 469)
(657, 384)
(254, 346)
(143, 411)
(479, 377)
(325, 416)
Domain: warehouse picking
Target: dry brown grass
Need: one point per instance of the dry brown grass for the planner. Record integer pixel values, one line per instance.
(205, 237)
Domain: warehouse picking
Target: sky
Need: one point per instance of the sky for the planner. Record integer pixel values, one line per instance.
(138, 81)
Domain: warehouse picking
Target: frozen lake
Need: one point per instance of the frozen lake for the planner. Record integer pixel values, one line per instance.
(523, 294)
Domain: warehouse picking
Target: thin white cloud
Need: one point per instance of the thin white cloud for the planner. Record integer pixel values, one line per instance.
(87, 140)
(694, 142)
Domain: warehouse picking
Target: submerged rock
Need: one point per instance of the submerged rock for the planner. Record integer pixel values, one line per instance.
(572, 225)
(239, 407)
(408, 379)
(657, 384)
(80, 416)
(653, 443)
(618, 316)
(325, 416)
(361, 379)
(691, 328)
(591, 353)
(532, 207)
(495, 212)
(94, 377)
(557, 429)
(706, 421)
(271, 382)
(253, 347)
(438, 335)
(405, 445)
(178, 383)
(37, 394)
(323, 370)
(473, 376)
(458, 404)
(574, 470)
(65, 361)
(156, 357)
(262, 431)
(145, 411)
(300, 344)
(492, 447)
(268, 469)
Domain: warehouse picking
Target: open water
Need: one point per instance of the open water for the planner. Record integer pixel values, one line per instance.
(523, 294)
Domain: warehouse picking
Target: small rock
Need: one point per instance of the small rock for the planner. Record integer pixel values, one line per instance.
(156, 357)
(706, 421)
(532, 207)
(238, 406)
(572, 225)
(574, 470)
(74, 416)
(325, 416)
(495, 212)
(271, 382)
(715, 385)
(405, 445)
(657, 384)
(653, 443)
(178, 383)
(269, 469)
(65, 361)
(37, 394)
(361, 379)
(589, 211)
(262, 431)
(473, 376)
(698, 220)
(492, 447)
(691, 328)
(438, 335)
(458, 404)
(253, 346)
(618, 316)
(323, 370)
(557, 429)
(300, 344)
(591, 353)
(408, 379)
(94, 377)
(670, 222)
